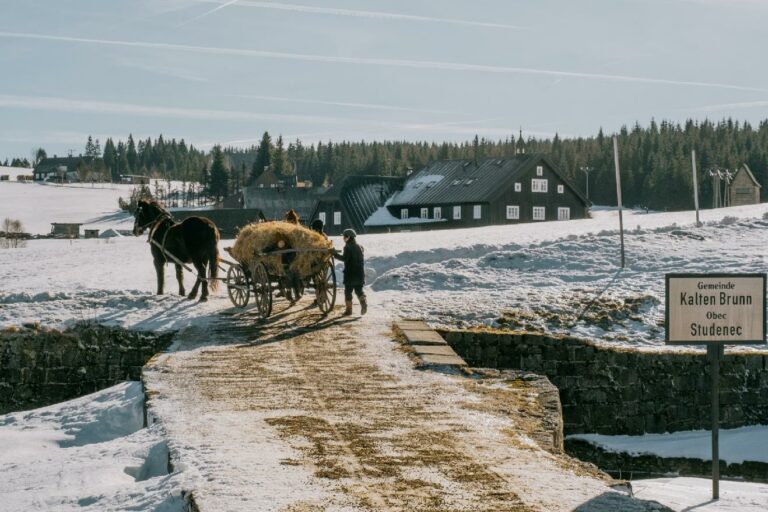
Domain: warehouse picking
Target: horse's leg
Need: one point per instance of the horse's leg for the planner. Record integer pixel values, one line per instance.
(196, 286)
(200, 267)
(180, 279)
(159, 269)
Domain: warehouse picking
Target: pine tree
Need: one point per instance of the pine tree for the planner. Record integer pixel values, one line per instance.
(110, 160)
(263, 157)
(131, 154)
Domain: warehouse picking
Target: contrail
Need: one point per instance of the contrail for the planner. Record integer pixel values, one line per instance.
(368, 14)
(372, 106)
(729, 106)
(415, 64)
(105, 107)
(227, 4)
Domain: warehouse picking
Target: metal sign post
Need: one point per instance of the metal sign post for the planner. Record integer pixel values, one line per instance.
(715, 309)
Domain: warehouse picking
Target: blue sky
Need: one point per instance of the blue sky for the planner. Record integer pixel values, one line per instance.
(218, 71)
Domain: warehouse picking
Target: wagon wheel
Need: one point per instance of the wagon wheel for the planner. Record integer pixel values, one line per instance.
(238, 286)
(262, 290)
(325, 287)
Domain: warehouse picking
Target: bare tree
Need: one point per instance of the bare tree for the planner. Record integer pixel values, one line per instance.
(12, 234)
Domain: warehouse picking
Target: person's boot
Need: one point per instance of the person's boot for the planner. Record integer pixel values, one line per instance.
(348, 310)
(363, 305)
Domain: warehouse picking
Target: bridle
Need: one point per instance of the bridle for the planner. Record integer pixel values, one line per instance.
(157, 221)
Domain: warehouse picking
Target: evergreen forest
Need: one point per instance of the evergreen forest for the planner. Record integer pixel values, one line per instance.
(655, 160)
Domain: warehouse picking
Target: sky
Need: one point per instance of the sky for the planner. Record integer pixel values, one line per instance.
(223, 71)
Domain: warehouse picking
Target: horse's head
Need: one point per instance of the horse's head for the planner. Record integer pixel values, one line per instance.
(146, 214)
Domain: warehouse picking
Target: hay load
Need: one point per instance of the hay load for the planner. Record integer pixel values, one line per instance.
(260, 237)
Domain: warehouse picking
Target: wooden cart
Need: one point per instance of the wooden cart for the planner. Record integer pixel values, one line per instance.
(262, 280)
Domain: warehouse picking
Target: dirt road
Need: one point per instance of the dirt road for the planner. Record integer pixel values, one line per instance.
(312, 414)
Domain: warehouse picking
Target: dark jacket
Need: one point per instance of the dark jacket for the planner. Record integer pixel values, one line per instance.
(354, 267)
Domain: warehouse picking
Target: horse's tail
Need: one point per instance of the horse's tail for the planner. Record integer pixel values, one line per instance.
(213, 262)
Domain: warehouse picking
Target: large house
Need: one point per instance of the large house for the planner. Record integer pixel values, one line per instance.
(60, 169)
(350, 204)
(744, 188)
(467, 193)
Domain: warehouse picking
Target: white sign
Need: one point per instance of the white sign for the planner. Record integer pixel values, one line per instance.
(715, 308)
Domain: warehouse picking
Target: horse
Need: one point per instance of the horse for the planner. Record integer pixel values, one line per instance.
(193, 240)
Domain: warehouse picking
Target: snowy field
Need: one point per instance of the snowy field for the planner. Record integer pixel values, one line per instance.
(525, 276)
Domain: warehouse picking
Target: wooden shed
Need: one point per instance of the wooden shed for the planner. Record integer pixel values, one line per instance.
(744, 188)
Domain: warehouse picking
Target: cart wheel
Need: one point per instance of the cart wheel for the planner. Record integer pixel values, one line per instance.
(262, 290)
(325, 287)
(238, 286)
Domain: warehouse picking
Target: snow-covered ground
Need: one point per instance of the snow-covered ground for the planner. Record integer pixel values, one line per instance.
(736, 445)
(540, 275)
(87, 454)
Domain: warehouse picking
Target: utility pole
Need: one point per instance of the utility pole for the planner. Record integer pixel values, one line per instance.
(586, 171)
(618, 195)
(695, 187)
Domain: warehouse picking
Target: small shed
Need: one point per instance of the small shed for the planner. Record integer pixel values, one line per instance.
(5, 177)
(91, 233)
(744, 188)
(65, 229)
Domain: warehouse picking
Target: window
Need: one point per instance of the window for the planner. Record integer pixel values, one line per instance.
(539, 170)
(560, 189)
(457, 213)
(337, 218)
(321, 216)
(563, 214)
(539, 185)
(539, 213)
(513, 212)
(425, 213)
(404, 213)
(518, 187)
(477, 211)
(437, 213)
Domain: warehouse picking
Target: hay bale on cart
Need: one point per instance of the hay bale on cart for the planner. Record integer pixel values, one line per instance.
(273, 254)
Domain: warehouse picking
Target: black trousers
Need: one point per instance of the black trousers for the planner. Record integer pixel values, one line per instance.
(348, 289)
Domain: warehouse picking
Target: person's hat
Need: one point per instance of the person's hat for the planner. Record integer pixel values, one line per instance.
(317, 225)
(349, 233)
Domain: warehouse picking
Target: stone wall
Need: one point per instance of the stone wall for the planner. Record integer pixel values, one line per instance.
(43, 367)
(611, 391)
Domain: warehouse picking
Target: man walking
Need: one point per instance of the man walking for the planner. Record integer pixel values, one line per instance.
(354, 271)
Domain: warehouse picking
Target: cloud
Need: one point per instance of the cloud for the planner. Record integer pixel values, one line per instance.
(415, 64)
(366, 14)
(731, 106)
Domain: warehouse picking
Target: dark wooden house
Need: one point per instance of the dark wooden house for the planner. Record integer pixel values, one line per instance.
(65, 229)
(61, 169)
(351, 203)
(744, 188)
(467, 193)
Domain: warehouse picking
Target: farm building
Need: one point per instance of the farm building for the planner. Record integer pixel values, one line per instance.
(135, 179)
(274, 202)
(65, 229)
(467, 193)
(60, 170)
(351, 203)
(744, 188)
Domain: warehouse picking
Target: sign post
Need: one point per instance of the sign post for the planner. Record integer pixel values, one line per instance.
(715, 309)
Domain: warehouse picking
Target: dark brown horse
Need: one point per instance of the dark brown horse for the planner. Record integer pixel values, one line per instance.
(193, 240)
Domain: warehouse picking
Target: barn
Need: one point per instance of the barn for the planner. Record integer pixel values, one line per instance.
(351, 203)
(744, 188)
(468, 193)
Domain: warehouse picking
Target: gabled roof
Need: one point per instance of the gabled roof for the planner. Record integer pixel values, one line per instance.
(465, 181)
(363, 195)
(751, 176)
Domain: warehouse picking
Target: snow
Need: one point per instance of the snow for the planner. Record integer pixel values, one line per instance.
(736, 445)
(71, 456)
(14, 172)
(87, 454)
